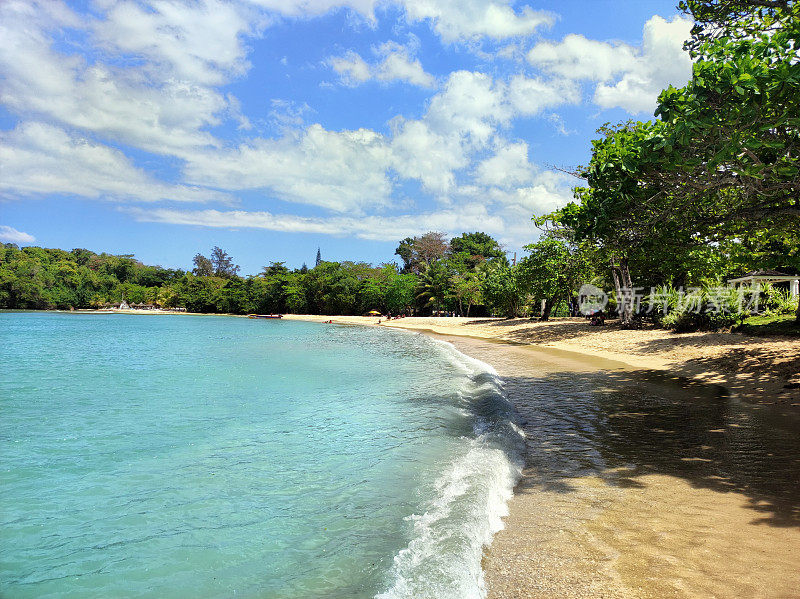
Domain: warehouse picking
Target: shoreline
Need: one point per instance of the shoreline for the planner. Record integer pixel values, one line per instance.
(751, 369)
(667, 520)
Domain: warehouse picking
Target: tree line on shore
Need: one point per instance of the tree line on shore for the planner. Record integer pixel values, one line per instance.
(436, 274)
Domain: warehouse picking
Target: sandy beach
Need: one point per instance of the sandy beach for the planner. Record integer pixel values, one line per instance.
(658, 465)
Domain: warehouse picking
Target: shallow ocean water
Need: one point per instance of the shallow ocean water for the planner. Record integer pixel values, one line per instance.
(174, 456)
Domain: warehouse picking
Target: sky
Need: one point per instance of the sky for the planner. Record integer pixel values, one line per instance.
(162, 128)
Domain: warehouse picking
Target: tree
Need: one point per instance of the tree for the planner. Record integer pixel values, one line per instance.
(505, 290)
(274, 268)
(621, 209)
(732, 138)
(319, 258)
(737, 19)
(476, 248)
(202, 266)
(406, 252)
(467, 288)
(399, 295)
(223, 263)
(553, 271)
(433, 287)
(419, 253)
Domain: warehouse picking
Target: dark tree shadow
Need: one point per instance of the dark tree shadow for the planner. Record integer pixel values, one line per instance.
(622, 425)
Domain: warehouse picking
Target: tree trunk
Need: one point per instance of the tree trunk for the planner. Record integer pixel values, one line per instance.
(624, 288)
(617, 287)
(548, 307)
(626, 316)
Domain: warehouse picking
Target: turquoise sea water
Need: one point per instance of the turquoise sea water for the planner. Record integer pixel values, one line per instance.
(198, 456)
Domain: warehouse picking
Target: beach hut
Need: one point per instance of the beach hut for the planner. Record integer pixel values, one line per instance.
(763, 277)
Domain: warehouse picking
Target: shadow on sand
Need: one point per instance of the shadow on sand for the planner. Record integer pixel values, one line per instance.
(622, 425)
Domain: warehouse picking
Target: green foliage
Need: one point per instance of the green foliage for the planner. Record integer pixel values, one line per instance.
(701, 309)
(730, 148)
(434, 287)
(420, 253)
(554, 271)
(712, 189)
(223, 263)
(505, 290)
(472, 249)
(778, 301)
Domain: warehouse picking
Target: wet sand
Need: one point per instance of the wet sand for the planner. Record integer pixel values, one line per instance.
(640, 483)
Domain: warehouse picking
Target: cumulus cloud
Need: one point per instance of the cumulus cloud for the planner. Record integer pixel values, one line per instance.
(37, 158)
(152, 80)
(354, 170)
(507, 167)
(341, 171)
(11, 235)
(627, 77)
(464, 119)
(458, 20)
(306, 8)
(396, 64)
(199, 41)
(142, 105)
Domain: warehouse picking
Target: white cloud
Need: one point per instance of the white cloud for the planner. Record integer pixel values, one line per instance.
(351, 170)
(381, 228)
(628, 77)
(399, 66)
(530, 96)
(352, 68)
(422, 154)
(470, 105)
(199, 41)
(396, 65)
(508, 167)
(577, 57)
(140, 105)
(459, 20)
(36, 158)
(463, 119)
(152, 81)
(341, 171)
(311, 8)
(452, 20)
(11, 235)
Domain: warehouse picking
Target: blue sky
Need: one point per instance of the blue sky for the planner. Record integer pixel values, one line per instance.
(272, 127)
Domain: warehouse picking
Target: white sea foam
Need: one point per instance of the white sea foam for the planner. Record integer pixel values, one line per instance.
(443, 558)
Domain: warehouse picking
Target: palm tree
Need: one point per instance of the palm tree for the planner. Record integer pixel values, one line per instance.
(433, 286)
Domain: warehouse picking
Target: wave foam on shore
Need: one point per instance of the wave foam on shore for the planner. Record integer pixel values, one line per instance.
(443, 558)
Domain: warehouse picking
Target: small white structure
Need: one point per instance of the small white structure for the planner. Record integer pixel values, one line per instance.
(760, 277)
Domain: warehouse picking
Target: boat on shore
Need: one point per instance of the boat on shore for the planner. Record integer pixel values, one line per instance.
(265, 316)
